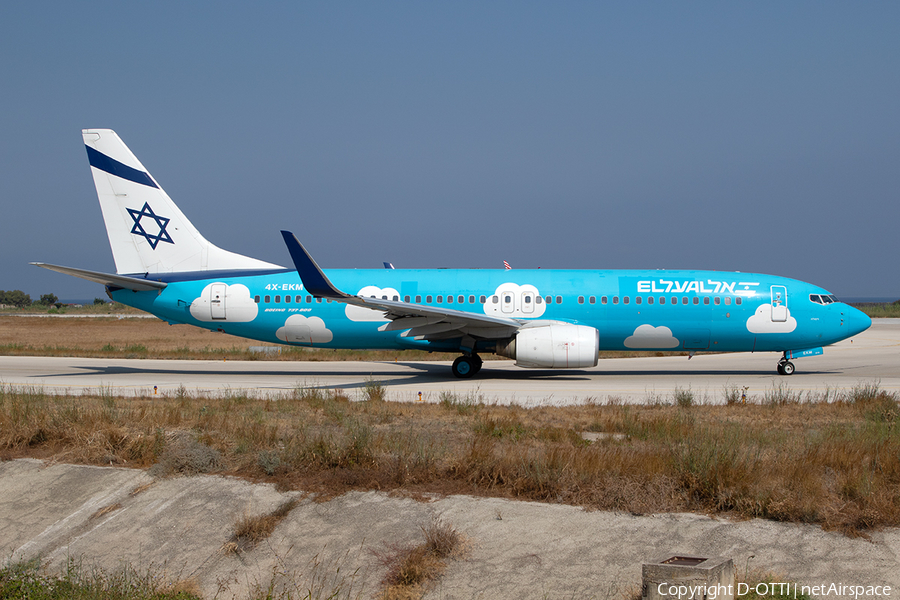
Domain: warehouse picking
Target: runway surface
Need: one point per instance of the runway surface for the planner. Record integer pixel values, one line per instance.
(873, 356)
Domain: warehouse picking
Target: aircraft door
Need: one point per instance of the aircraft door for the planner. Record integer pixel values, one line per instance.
(217, 301)
(527, 302)
(779, 304)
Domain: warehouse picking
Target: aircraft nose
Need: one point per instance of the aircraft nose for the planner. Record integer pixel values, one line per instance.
(855, 320)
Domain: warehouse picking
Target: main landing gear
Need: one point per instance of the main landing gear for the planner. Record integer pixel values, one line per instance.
(467, 365)
(785, 367)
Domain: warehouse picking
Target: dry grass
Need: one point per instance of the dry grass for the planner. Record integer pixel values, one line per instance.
(249, 531)
(412, 569)
(833, 459)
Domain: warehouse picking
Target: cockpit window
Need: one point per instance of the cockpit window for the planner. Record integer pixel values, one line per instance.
(823, 298)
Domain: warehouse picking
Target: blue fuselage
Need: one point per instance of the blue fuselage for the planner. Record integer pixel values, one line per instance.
(631, 309)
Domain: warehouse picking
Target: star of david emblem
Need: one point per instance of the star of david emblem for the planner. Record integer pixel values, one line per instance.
(161, 222)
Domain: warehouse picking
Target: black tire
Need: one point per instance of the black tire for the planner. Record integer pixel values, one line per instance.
(780, 368)
(787, 368)
(463, 367)
(478, 362)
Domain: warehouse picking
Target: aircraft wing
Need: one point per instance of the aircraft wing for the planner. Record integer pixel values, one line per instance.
(422, 322)
(120, 281)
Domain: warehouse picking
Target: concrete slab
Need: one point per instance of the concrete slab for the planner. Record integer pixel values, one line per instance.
(518, 550)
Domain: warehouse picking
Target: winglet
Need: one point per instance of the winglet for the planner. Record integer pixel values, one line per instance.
(314, 280)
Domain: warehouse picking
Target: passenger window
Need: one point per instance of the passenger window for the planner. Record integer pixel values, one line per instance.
(507, 299)
(684, 300)
(602, 299)
(440, 299)
(428, 299)
(638, 300)
(696, 300)
(418, 299)
(309, 299)
(298, 299)
(495, 299)
(406, 299)
(580, 299)
(649, 299)
(662, 299)
(674, 300)
(328, 300)
(483, 299)
(549, 299)
(727, 300)
(277, 299)
(538, 299)
(449, 299)
(615, 299)
(559, 299)
(396, 298)
(527, 299)
(705, 299)
(471, 299)
(592, 300)
(717, 301)
(268, 299)
(461, 299)
(287, 298)
(625, 300)
(384, 297)
(736, 300)
(256, 299)
(319, 300)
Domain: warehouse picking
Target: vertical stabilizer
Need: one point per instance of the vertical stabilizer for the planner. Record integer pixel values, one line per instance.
(147, 232)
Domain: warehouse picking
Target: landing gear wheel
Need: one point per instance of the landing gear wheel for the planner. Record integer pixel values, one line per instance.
(478, 362)
(785, 367)
(464, 367)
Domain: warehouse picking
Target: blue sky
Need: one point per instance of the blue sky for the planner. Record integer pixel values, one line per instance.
(758, 137)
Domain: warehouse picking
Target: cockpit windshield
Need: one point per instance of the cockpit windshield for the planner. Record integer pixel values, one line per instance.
(822, 298)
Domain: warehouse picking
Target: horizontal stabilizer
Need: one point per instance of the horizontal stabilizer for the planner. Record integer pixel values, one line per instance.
(120, 281)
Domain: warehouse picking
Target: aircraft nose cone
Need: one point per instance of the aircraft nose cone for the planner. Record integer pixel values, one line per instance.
(855, 320)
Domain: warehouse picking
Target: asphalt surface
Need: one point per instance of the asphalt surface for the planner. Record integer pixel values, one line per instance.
(873, 356)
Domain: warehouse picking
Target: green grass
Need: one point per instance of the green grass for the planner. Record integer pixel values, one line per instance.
(880, 311)
(27, 581)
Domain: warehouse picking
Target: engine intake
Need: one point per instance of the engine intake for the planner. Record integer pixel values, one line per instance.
(553, 346)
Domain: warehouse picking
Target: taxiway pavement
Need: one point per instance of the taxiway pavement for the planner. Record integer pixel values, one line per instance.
(872, 356)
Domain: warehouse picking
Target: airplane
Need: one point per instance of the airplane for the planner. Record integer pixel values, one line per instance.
(541, 318)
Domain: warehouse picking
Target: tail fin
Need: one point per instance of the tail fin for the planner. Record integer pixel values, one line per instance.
(147, 232)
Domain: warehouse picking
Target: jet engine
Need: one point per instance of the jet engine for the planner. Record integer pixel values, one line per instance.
(553, 345)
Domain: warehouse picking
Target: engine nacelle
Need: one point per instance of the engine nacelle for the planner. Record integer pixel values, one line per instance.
(553, 346)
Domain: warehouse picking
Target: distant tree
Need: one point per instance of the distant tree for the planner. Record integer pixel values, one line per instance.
(48, 299)
(99, 301)
(17, 298)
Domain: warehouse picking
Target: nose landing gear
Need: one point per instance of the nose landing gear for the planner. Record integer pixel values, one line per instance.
(785, 367)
